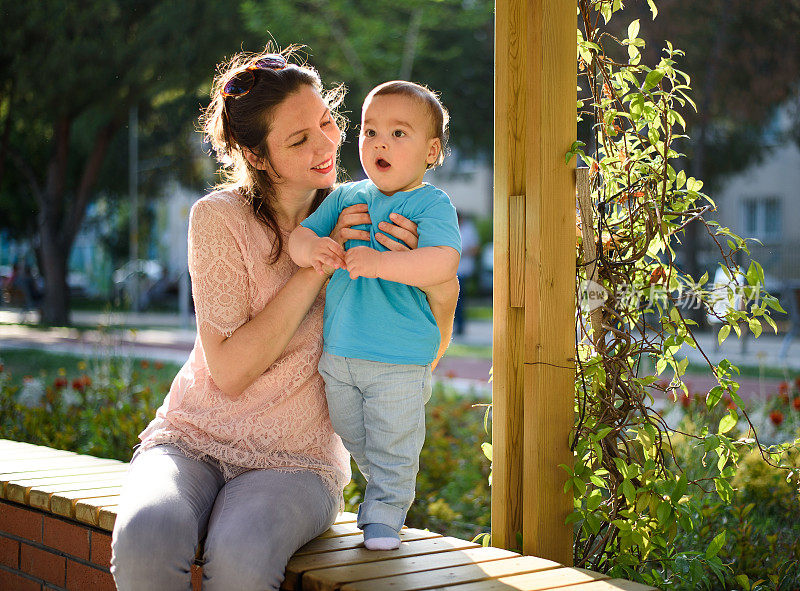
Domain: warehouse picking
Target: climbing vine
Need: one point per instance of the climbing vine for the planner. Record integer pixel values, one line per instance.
(630, 489)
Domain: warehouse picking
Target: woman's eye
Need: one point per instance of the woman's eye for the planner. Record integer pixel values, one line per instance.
(399, 133)
(328, 122)
(300, 142)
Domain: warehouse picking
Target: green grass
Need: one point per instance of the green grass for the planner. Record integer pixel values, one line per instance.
(472, 351)
(479, 312)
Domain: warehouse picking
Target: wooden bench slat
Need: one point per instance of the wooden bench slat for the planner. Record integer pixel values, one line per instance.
(19, 492)
(345, 517)
(613, 585)
(107, 517)
(26, 467)
(82, 468)
(63, 503)
(347, 542)
(341, 529)
(331, 578)
(549, 579)
(456, 575)
(301, 564)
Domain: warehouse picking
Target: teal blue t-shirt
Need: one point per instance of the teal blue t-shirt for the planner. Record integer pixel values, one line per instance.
(375, 319)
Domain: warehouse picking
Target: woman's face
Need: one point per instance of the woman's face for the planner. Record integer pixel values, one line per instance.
(303, 141)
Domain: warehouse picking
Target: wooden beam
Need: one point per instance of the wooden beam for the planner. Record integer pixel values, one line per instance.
(533, 377)
(550, 279)
(508, 337)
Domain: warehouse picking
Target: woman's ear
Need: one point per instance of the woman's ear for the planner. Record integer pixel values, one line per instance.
(434, 149)
(255, 161)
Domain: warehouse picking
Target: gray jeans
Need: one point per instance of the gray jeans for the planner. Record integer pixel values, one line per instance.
(378, 409)
(251, 525)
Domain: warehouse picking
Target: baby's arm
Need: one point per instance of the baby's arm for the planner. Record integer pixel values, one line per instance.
(309, 250)
(422, 267)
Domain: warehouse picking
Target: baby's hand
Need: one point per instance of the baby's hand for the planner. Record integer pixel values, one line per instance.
(327, 255)
(362, 261)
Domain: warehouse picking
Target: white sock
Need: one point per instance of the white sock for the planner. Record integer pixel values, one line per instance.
(378, 536)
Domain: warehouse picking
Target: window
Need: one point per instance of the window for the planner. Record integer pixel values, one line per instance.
(761, 218)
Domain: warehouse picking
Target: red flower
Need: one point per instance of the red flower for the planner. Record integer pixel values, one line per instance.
(158, 365)
(796, 403)
(77, 384)
(87, 381)
(686, 400)
(783, 388)
(797, 382)
(783, 397)
(145, 364)
(729, 404)
(776, 417)
(2, 367)
(60, 383)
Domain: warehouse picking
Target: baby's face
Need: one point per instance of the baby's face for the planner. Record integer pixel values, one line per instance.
(395, 144)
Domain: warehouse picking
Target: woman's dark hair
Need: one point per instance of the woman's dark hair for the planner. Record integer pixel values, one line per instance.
(234, 124)
(439, 116)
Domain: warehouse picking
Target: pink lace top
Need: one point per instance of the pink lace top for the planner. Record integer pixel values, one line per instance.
(281, 420)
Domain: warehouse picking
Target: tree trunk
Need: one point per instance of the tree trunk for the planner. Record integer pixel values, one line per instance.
(55, 306)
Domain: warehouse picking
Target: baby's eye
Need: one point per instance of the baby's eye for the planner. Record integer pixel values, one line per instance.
(369, 133)
(398, 133)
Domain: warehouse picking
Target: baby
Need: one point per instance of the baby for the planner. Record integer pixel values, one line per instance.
(380, 334)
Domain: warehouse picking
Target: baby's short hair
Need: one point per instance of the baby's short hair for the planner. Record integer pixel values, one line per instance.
(439, 116)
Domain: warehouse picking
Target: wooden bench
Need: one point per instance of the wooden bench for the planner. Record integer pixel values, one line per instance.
(57, 510)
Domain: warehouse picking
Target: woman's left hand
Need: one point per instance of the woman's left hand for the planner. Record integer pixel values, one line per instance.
(403, 229)
(351, 216)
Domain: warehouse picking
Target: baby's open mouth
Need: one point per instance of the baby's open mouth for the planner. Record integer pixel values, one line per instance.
(382, 164)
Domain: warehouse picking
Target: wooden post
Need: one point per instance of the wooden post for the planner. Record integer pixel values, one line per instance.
(534, 284)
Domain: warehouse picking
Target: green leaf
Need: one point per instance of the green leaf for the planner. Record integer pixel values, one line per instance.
(715, 546)
(724, 489)
(629, 491)
(663, 512)
(755, 326)
(727, 422)
(487, 450)
(723, 333)
(679, 490)
(633, 29)
(653, 8)
(653, 78)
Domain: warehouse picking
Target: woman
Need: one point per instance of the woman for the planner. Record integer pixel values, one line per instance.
(241, 454)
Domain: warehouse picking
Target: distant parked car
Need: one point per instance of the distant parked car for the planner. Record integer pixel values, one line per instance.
(152, 281)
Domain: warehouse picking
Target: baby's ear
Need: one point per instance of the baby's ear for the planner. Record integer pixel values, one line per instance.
(434, 149)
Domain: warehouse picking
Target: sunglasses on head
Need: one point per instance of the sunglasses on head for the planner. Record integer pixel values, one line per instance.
(242, 82)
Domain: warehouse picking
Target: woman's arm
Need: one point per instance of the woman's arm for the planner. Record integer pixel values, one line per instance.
(236, 361)
(443, 299)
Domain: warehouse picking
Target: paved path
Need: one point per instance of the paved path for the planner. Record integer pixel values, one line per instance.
(171, 340)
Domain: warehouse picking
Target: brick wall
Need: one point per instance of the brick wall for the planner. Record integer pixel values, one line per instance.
(41, 551)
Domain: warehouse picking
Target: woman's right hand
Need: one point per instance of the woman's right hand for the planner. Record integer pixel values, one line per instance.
(400, 234)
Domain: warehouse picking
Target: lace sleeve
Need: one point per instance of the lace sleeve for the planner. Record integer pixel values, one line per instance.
(218, 271)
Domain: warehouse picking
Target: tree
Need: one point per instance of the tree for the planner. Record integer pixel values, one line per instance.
(69, 74)
(447, 45)
(744, 62)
